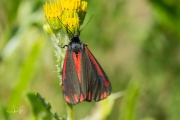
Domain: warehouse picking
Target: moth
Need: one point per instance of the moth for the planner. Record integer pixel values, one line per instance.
(83, 79)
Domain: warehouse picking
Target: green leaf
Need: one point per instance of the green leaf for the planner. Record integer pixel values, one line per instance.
(25, 75)
(129, 102)
(36, 105)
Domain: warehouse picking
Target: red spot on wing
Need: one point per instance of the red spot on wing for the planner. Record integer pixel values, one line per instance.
(81, 97)
(63, 88)
(64, 66)
(89, 96)
(76, 98)
(67, 99)
(100, 72)
(77, 62)
(104, 95)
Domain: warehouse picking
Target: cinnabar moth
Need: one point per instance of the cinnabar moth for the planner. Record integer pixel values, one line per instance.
(83, 79)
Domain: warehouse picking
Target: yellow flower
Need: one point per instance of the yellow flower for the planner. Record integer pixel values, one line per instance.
(71, 22)
(53, 12)
(68, 14)
(78, 5)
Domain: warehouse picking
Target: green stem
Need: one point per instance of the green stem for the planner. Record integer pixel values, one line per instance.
(70, 112)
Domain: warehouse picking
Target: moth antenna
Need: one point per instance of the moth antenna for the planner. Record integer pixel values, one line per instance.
(86, 24)
(66, 27)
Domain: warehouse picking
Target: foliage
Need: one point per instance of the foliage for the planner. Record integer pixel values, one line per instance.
(136, 42)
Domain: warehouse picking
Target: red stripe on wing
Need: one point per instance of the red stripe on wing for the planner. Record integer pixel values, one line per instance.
(77, 62)
(100, 72)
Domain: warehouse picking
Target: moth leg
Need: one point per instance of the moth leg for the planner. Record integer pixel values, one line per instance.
(63, 46)
(86, 44)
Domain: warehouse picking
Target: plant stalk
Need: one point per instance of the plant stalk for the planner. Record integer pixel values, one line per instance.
(70, 112)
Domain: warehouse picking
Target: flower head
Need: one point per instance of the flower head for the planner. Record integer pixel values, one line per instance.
(68, 14)
(53, 12)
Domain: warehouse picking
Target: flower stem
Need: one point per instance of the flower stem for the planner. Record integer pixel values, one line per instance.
(70, 113)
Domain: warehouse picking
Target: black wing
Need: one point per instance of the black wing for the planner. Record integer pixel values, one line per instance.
(95, 85)
(70, 84)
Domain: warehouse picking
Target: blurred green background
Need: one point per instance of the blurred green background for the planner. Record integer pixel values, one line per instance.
(135, 41)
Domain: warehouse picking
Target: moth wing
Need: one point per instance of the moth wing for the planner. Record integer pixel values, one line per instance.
(95, 85)
(70, 84)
